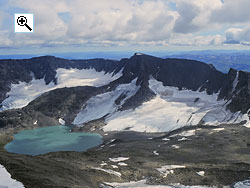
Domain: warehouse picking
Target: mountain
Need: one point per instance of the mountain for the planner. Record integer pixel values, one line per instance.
(140, 93)
(223, 60)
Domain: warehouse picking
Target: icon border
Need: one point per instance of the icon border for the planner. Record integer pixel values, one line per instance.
(24, 15)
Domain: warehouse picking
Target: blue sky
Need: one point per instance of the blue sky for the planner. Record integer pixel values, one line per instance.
(126, 25)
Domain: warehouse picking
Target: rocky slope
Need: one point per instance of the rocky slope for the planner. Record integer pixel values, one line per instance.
(186, 75)
(14, 71)
(222, 154)
(48, 108)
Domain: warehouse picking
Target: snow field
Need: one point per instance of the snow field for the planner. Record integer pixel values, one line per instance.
(6, 181)
(22, 93)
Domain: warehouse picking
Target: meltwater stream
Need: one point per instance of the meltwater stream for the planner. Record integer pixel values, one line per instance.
(52, 139)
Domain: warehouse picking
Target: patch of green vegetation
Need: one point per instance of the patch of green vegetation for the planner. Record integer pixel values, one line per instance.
(5, 139)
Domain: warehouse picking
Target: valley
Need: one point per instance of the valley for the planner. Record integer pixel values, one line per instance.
(169, 122)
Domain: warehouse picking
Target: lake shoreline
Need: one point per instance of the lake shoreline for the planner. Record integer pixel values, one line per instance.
(51, 139)
(201, 151)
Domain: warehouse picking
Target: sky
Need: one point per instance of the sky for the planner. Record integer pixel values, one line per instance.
(126, 25)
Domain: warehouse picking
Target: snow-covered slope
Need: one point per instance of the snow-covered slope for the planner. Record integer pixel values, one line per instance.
(169, 110)
(172, 109)
(199, 105)
(84, 77)
(103, 104)
(6, 181)
(23, 93)
(154, 104)
(156, 115)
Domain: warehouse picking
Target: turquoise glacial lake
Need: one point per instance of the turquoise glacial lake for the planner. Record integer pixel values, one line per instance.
(52, 139)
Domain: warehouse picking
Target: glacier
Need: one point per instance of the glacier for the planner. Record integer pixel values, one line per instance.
(22, 93)
(103, 104)
(172, 109)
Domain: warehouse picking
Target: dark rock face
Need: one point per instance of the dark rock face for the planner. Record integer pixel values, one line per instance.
(180, 73)
(45, 67)
(184, 74)
(48, 108)
(67, 105)
(241, 94)
(142, 95)
(21, 119)
(188, 74)
(193, 75)
(13, 71)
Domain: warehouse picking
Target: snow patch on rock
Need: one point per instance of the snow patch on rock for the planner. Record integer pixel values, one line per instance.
(175, 146)
(168, 169)
(236, 81)
(61, 121)
(103, 164)
(242, 184)
(119, 159)
(6, 181)
(156, 152)
(183, 139)
(122, 164)
(201, 173)
(114, 166)
(218, 129)
(166, 139)
(185, 133)
(138, 53)
(112, 172)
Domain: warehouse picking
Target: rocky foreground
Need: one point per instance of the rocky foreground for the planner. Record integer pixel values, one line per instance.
(203, 155)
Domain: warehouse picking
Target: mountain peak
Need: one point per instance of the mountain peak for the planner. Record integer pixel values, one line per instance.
(138, 53)
(144, 58)
(46, 57)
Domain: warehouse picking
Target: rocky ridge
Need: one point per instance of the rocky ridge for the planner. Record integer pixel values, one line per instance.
(233, 87)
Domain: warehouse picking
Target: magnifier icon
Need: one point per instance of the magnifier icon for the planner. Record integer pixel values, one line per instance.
(22, 21)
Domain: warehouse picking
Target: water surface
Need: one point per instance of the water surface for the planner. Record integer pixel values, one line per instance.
(52, 139)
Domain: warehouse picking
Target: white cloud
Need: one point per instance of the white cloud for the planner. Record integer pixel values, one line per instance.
(238, 36)
(125, 22)
(48, 24)
(194, 14)
(97, 22)
(218, 40)
(121, 20)
(193, 40)
(5, 42)
(1, 17)
(232, 11)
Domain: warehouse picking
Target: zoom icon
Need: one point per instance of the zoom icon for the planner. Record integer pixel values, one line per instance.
(24, 23)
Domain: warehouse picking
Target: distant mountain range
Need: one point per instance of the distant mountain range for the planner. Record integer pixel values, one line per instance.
(223, 60)
(141, 93)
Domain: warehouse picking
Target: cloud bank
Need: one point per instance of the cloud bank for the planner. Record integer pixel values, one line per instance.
(119, 23)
